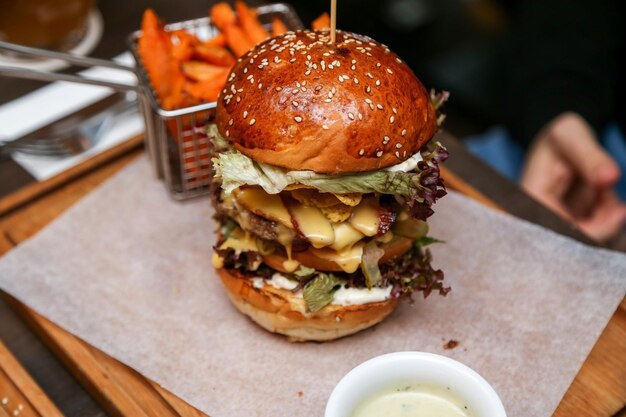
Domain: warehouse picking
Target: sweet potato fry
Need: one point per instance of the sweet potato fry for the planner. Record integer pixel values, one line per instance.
(155, 50)
(278, 26)
(222, 15)
(183, 35)
(201, 71)
(237, 40)
(217, 40)
(225, 19)
(250, 24)
(214, 55)
(184, 49)
(207, 90)
(322, 22)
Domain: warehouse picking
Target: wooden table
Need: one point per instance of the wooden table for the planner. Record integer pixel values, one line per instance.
(64, 375)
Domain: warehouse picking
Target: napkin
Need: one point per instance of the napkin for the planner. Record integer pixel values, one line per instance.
(128, 270)
(57, 100)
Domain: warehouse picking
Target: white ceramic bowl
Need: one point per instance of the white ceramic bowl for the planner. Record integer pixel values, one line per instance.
(385, 371)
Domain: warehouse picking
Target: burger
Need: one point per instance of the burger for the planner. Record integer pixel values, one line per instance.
(325, 174)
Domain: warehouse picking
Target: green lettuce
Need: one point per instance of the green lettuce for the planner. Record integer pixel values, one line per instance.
(420, 188)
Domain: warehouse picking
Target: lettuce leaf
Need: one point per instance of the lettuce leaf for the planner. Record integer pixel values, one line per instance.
(318, 292)
(419, 188)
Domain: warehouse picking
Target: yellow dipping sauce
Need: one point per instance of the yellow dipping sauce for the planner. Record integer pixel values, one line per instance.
(413, 400)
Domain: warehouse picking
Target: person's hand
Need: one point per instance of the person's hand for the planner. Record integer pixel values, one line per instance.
(569, 172)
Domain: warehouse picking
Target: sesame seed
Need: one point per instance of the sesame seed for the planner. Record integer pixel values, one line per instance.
(398, 145)
(323, 64)
(294, 92)
(276, 59)
(392, 119)
(238, 99)
(353, 68)
(228, 133)
(307, 72)
(278, 88)
(379, 154)
(379, 106)
(362, 152)
(389, 71)
(324, 127)
(224, 91)
(230, 122)
(330, 94)
(245, 114)
(385, 140)
(393, 109)
(354, 61)
(377, 82)
(368, 89)
(327, 100)
(260, 85)
(397, 154)
(368, 101)
(369, 75)
(295, 103)
(356, 80)
(360, 116)
(318, 88)
(398, 60)
(340, 78)
(330, 66)
(5, 400)
(297, 119)
(292, 60)
(252, 121)
(403, 132)
(378, 64)
(351, 116)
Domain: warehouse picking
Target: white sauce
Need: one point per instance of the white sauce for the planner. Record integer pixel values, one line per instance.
(343, 296)
(408, 165)
(413, 400)
(354, 296)
(277, 281)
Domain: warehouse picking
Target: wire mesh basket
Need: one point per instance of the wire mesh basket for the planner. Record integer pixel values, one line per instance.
(176, 140)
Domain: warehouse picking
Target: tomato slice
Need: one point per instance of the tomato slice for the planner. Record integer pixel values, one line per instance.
(397, 247)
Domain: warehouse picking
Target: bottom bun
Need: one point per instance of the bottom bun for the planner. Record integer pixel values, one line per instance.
(280, 311)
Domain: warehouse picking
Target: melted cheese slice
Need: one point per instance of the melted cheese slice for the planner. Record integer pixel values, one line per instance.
(365, 218)
(266, 205)
(348, 259)
(345, 236)
(240, 242)
(314, 225)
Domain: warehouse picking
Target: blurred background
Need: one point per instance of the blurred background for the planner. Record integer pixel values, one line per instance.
(454, 45)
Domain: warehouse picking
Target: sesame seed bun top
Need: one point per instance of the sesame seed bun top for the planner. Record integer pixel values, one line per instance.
(298, 102)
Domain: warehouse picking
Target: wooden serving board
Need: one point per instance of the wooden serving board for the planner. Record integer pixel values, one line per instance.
(599, 390)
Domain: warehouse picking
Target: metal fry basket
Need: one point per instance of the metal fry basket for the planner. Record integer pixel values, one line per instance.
(176, 140)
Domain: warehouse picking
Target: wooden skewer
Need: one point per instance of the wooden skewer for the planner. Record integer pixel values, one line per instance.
(333, 20)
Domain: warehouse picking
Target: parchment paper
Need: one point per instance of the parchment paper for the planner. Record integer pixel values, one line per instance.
(128, 270)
